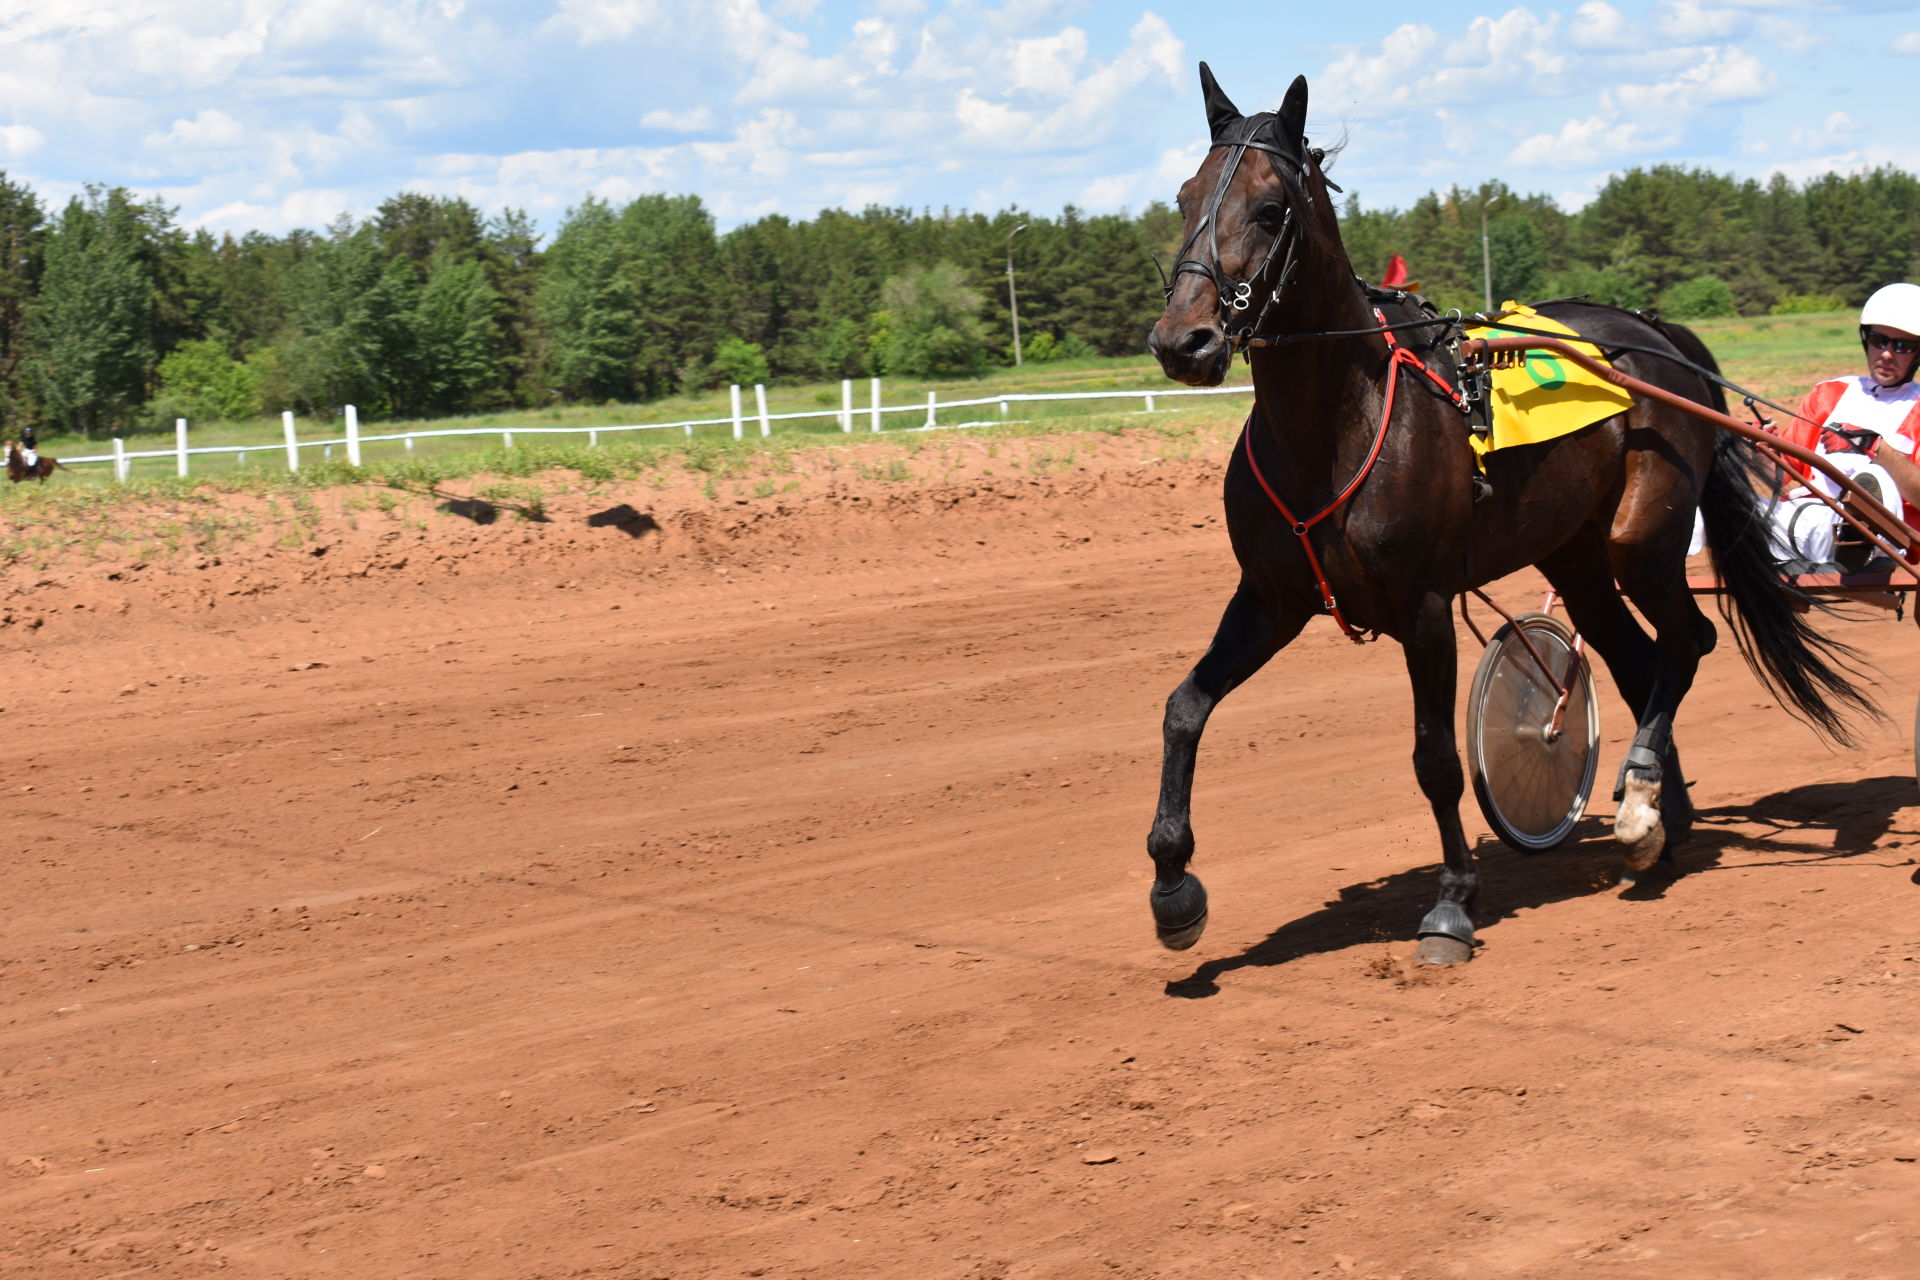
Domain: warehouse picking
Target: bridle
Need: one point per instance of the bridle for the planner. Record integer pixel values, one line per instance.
(1249, 133)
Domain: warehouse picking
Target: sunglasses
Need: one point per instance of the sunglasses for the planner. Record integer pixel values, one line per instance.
(1881, 342)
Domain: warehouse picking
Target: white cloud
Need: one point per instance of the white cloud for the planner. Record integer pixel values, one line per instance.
(687, 120)
(595, 21)
(1907, 42)
(211, 128)
(1598, 25)
(1833, 133)
(20, 140)
(1691, 22)
(1048, 64)
(1580, 144)
(1413, 69)
(1721, 75)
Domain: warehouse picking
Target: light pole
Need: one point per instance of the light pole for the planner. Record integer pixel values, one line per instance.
(1013, 303)
(1486, 259)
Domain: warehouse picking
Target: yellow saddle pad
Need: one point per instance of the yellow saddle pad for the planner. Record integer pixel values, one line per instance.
(1546, 397)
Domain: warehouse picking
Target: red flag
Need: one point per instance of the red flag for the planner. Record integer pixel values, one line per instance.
(1396, 272)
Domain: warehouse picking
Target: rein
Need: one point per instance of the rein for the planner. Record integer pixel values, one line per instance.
(1397, 356)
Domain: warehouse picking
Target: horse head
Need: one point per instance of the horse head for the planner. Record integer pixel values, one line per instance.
(1249, 216)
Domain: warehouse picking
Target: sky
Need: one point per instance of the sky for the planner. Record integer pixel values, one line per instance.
(274, 114)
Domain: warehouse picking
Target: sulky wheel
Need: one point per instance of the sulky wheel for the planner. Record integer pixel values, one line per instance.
(1532, 787)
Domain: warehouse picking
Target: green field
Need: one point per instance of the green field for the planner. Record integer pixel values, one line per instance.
(1776, 356)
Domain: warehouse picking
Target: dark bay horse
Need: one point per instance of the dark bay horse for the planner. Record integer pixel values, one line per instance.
(18, 469)
(1351, 493)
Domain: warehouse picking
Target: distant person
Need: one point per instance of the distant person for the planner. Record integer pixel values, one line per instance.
(1865, 424)
(29, 448)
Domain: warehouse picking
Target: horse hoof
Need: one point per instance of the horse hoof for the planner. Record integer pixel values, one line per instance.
(1179, 913)
(1637, 826)
(1446, 935)
(1438, 948)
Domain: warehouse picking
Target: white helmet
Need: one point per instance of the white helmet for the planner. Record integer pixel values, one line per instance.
(1897, 306)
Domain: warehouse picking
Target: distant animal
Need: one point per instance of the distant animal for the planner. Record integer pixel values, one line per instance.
(42, 466)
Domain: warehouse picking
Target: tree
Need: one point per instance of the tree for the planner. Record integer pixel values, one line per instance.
(350, 336)
(200, 380)
(672, 262)
(740, 363)
(91, 336)
(588, 307)
(1114, 296)
(933, 325)
(1697, 299)
(421, 227)
(453, 340)
(512, 259)
(21, 237)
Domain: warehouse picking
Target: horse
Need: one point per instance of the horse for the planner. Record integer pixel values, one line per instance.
(1352, 492)
(43, 466)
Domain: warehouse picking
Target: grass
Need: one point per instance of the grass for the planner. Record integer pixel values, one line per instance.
(1783, 356)
(265, 441)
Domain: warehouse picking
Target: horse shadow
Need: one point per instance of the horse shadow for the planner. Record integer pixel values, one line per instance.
(1859, 815)
(635, 524)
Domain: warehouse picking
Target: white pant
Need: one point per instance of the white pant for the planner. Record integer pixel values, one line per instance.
(1803, 528)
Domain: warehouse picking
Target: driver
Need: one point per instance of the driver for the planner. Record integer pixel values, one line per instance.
(1866, 425)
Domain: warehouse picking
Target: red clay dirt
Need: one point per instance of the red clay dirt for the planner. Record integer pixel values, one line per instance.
(763, 894)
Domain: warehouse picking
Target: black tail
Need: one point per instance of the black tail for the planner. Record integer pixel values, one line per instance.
(1813, 676)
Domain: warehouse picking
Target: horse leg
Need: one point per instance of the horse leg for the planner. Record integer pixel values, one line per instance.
(1250, 632)
(1446, 932)
(1652, 817)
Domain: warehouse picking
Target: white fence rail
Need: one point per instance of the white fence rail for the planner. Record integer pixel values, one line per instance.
(353, 440)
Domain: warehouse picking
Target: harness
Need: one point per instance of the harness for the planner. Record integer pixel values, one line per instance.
(1398, 355)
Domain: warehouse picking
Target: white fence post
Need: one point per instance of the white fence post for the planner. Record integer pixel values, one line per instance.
(506, 439)
(593, 439)
(931, 406)
(1003, 408)
(1149, 402)
(180, 444)
(873, 388)
(409, 444)
(733, 395)
(293, 442)
(760, 402)
(353, 435)
(846, 404)
(119, 459)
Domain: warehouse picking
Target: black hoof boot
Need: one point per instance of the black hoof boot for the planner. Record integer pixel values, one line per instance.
(1180, 913)
(1446, 935)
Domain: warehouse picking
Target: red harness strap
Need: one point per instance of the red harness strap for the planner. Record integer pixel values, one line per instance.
(1397, 356)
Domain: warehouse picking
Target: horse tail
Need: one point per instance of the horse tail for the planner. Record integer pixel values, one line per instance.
(1815, 677)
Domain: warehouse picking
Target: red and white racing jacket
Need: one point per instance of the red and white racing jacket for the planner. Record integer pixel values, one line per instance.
(1860, 403)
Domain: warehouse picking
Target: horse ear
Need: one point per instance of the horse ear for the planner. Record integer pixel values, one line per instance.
(1293, 111)
(1220, 109)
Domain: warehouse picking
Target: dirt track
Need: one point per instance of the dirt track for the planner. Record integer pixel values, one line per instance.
(764, 894)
